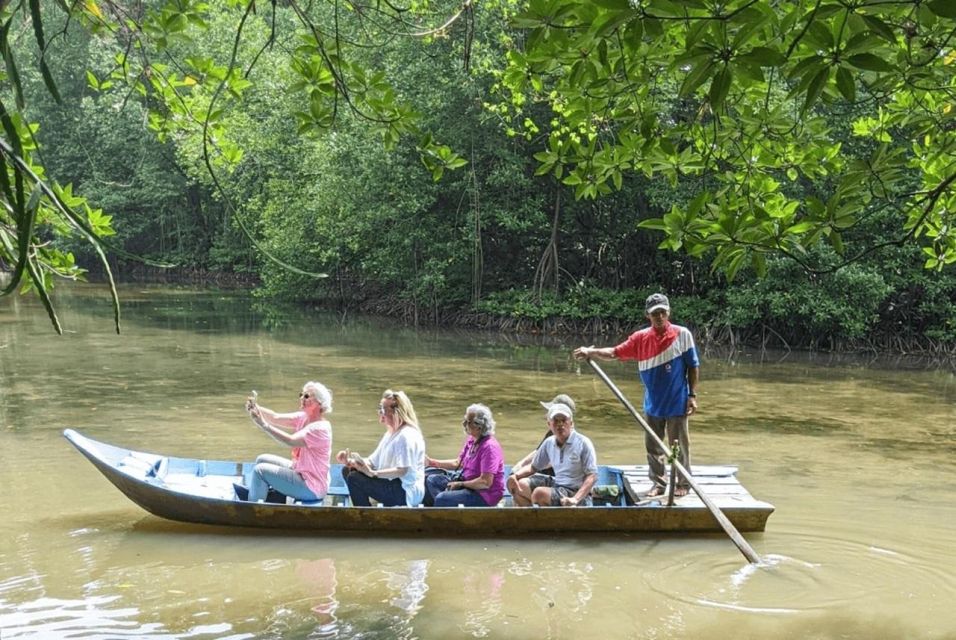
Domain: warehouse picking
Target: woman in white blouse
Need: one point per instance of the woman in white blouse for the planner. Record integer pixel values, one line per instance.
(394, 475)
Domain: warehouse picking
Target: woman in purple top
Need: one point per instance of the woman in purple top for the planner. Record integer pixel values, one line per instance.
(481, 463)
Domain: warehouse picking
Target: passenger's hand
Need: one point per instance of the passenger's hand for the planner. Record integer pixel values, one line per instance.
(362, 466)
(430, 462)
(569, 502)
(342, 457)
(255, 414)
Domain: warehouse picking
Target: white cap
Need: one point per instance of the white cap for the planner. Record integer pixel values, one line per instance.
(560, 410)
(561, 398)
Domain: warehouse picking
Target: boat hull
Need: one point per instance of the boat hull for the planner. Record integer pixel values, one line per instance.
(142, 484)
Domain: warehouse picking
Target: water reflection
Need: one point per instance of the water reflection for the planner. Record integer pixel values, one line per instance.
(484, 589)
(319, 578)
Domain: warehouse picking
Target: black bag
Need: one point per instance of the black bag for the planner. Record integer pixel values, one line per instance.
(453, 476)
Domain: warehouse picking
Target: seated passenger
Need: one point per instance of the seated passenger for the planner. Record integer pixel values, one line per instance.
(571, 456)
(561, 398)
(394, 475)
(306, 475)
(480, 466)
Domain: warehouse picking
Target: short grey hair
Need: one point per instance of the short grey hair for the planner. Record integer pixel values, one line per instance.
(483, 418)
(321, 394)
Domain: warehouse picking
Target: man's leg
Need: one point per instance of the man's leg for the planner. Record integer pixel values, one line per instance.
(546, 497)
(520, 491)
(678, 429)
(655, 455)
(524, 496)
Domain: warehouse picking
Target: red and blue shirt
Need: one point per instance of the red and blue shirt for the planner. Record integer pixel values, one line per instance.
(662, 360)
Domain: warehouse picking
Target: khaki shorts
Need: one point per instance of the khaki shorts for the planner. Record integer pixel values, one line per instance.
(557, 491)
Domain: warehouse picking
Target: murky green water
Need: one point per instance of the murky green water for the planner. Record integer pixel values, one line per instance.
(858, 458)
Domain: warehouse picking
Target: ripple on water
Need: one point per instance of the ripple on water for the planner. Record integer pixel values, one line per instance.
(835, 572)
(90, 618)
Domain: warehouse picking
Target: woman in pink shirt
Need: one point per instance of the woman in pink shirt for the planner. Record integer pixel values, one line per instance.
(306, 475)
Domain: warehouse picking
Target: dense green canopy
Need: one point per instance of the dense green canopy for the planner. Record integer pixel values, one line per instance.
(455, 153)
(750, 105)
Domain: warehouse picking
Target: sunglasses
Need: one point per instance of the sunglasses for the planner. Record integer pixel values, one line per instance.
(470, 422)
(305, 395)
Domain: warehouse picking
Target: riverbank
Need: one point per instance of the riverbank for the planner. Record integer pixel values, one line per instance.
(594, 315)
(526, 318)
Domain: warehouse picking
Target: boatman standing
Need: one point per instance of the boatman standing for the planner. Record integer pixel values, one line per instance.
(669, 368)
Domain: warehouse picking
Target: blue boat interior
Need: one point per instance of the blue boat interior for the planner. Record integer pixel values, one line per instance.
(215, 478)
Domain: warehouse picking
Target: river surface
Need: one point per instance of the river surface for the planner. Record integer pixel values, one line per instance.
(859, 458)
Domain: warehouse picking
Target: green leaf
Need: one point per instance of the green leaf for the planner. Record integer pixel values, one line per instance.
(836, 241)
(805, 66)
(815, 88)
(943, 8)
(613, 5)
(820, 34)
(869, 62)
(767, 57)
(880, 28)
(48, 81)
(719, 88)
(37, 21)
(695, 77)
(657, 224)
(12, 72)
(800, 227)
(846, 84)
(759, 261)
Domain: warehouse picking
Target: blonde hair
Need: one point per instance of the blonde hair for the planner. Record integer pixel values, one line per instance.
(398, 402)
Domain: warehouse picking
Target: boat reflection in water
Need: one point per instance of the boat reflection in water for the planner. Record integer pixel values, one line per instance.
(319, 578)
(485, 588)
(344, 599)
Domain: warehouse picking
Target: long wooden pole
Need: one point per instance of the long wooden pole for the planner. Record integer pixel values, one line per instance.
(722, 519)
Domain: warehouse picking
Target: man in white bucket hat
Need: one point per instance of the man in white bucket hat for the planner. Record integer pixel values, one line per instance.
(572, 458)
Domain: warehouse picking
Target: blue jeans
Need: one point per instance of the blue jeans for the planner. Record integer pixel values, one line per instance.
(438, 496)
(467, 497)
(435, 483)
(361, 487)
(273, 471)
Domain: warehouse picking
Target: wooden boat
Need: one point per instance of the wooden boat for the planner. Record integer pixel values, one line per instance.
(201, 491)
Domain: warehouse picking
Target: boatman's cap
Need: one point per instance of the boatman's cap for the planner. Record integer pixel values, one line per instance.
(561, 398)
(560, 410)
(656, 301)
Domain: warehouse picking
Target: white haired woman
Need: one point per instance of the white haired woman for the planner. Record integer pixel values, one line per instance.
(480, 463)
(394, 475)
(309, 433)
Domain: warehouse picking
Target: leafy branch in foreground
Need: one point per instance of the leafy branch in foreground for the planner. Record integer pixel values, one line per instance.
(194, 93)
(740, 102)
